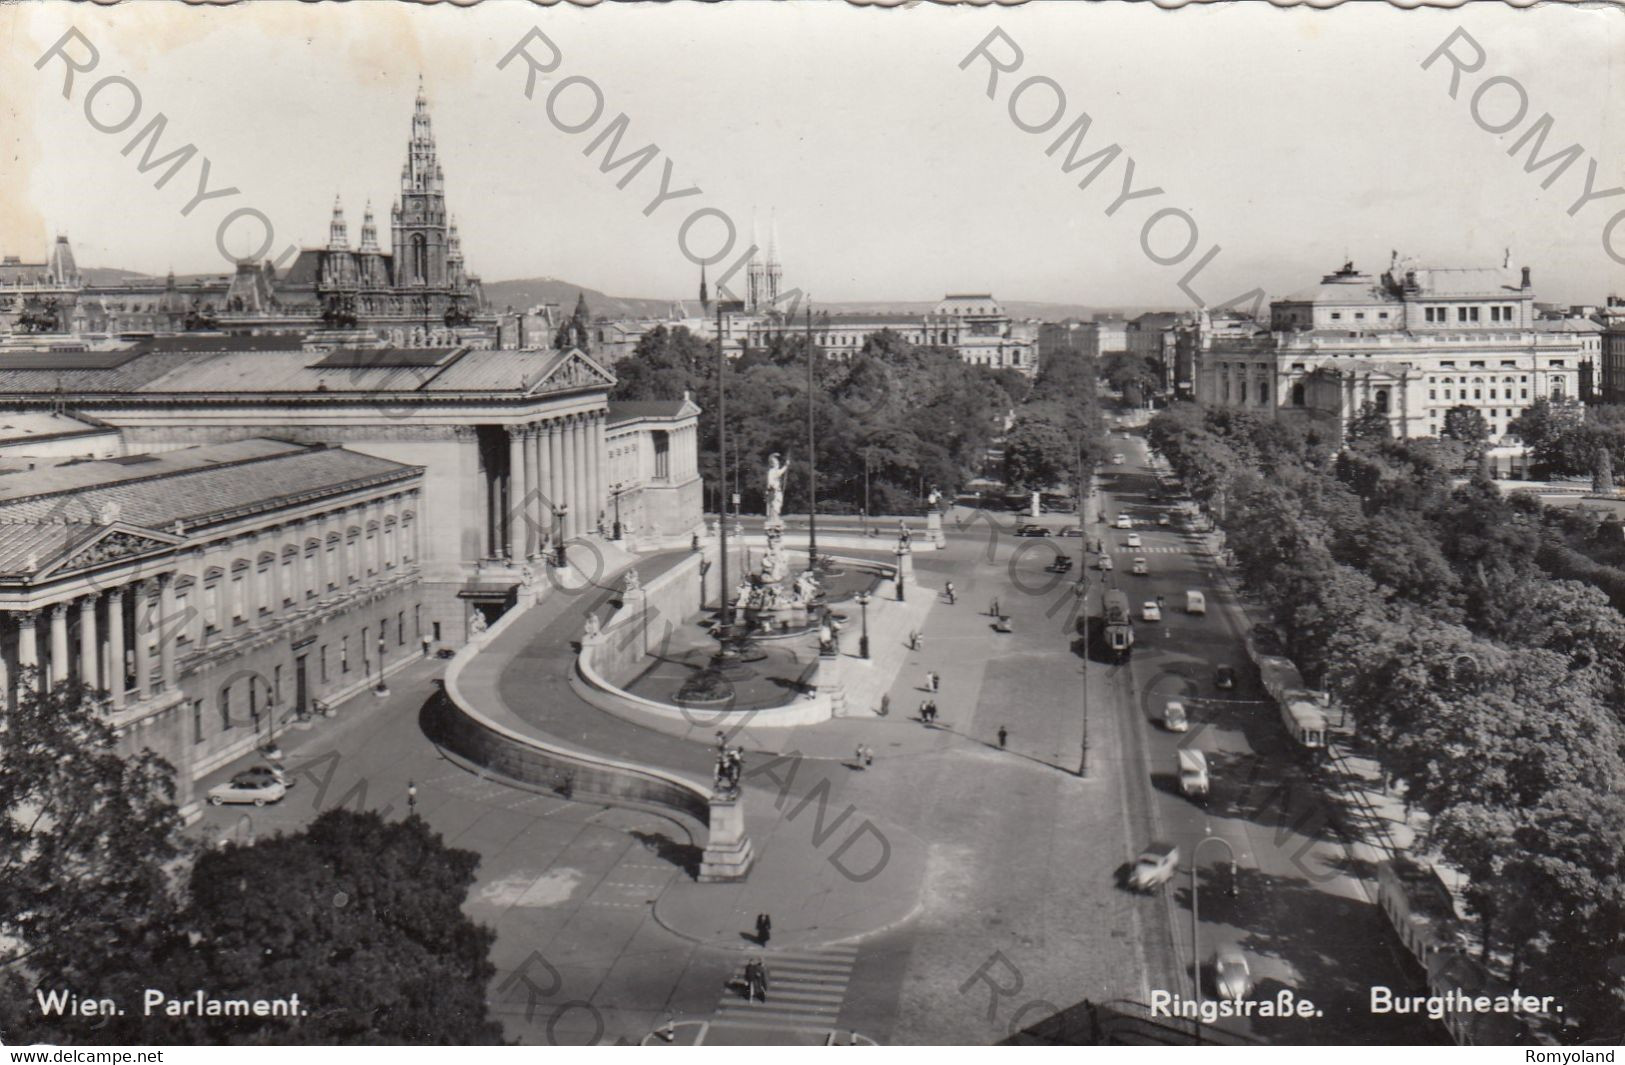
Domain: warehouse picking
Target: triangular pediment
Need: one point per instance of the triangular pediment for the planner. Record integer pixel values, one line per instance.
(109, 544)
(573, 370)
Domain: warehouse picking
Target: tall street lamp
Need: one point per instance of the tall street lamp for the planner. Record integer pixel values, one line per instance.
(383, 688)
(1196, 952)
(560, 558)
(615, 492)
(721, 628)
(812, 457)
(863, 640)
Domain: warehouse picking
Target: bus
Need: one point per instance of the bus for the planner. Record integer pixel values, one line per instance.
(1119, 626)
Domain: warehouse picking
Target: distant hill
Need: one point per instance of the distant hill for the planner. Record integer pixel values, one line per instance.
(524, 294)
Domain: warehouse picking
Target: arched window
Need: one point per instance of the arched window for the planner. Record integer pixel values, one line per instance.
(420, 258)
(1297, 394)
(291, 593)
(1263, 392)
(1381, 400)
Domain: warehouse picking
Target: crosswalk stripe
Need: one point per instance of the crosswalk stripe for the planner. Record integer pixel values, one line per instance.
(802, 986)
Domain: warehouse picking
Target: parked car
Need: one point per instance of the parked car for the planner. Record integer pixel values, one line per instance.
(1173, 716)
(1062, 564)
(1150, 612)
(1072, 530)
(250, 786)
(1139, 568)
(1154, 867)
(1104, 562)
(1232, 978)
(1125, 521)
(1032, 529)
(1224, 678)
(267, 772)
(1134, 540)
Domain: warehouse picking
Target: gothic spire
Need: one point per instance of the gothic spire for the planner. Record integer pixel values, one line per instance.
(369, 230)
(338, 236)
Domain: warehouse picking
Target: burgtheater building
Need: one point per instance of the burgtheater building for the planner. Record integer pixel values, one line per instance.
(1410, 345)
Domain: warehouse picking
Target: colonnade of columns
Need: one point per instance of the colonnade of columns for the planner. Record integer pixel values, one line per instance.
(128, 634)
(126, 672)
(557, 481)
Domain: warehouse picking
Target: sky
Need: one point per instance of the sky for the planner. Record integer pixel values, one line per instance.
(1290, 139)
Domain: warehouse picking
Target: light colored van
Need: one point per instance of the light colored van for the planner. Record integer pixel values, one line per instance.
(1173, 716)
(1195, 603)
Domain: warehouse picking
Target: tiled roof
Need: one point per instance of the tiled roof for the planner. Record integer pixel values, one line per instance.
(189, 485)
(25, 548)
(17, 425)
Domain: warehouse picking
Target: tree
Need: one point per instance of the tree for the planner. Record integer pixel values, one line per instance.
(1467, 425)
(85, 837)
(360, 917)
(1602, 472)
(1036, 454)
(1369, 424)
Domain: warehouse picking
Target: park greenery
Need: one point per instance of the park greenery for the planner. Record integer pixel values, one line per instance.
(891, 423)
(1475, 640)
(102, 895)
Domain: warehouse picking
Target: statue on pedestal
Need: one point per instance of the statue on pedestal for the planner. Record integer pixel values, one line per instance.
(730, 765)
(476, 621)
(594, 626)
(807, 588)
(632, 584)
(774, 567)
(776, 469)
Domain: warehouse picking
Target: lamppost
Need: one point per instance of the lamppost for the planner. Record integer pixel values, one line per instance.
(812, 457)
(863, 640)
(560, 558)
(615, 491)
(1083, 612)
(720, 630)
(1196, 953)
(382, 689)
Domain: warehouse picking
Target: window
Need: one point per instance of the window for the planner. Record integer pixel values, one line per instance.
(225, 707)
(1359, 316)
(1472, 314)
(1495, 314)
(1461, 314)
(1381, 400)
(1433, 393)
(1478, 393)
(323, 657)
(1337, 315)
(1297, 395)
(1383, 315)
(276, 684)
(400, 629)
(1449, 393)
(344, 654)
(211, 601)
(1555, 362)
(1447, 364)
(1476, 364)
(197, 720)
(1523, 393)
(289, 554)
(1509, 364)
(238, 599)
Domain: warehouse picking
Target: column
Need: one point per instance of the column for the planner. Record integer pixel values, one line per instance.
(595, 457)
(555, 472)
(115, 647)
(301, 569)
(166, 640)
(511, 520)
(27, 646)
(143, 639)
(59, 643)
(581, 498)
(251, 582)
(539, 510)
(89, 648)
(525, 511)
(567, 477)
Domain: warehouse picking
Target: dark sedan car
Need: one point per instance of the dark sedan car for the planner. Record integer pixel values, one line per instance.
(1224, 678)
(1032, 530)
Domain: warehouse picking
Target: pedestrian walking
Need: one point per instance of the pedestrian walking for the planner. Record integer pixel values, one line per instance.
(913, 639)
(1003, 736)
(857, 756)
(949, 588)
(868, 757)
(427, 643)
(764, 928)
(885, 705)
(936, 681)
(996, 611)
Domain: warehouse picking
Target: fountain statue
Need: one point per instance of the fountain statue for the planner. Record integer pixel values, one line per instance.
(776, 469)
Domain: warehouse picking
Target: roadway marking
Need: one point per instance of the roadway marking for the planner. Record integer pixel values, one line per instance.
(803, 987)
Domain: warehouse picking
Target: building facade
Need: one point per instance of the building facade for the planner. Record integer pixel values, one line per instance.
(417, 293)
(1412, 344)
(976, 327)
(212, 593)
(514, 445)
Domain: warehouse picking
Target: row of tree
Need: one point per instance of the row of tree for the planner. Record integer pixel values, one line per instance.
(1489, 686)
(891, 423)
(101, 897)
